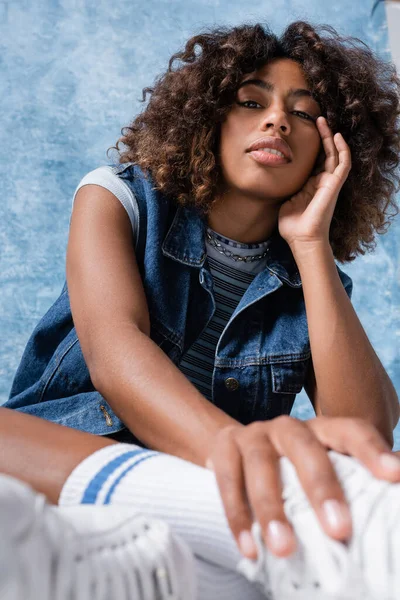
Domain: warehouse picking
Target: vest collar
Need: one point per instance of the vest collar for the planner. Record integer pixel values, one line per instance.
(185, 243)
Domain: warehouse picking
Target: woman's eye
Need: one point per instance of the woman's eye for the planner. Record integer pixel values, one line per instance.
(299, 112)
(306, 115)
(247, 102)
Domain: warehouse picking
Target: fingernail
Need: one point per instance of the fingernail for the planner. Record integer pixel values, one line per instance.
(279, 535)
(247, 544)
(390, 462)
(336, 514)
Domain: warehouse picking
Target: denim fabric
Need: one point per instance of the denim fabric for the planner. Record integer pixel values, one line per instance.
(262, 356)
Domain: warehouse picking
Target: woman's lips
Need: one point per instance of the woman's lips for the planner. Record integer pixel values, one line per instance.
(267, 158)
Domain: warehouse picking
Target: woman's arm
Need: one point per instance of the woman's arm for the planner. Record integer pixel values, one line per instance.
(41, 453)
(348, 378)
(153, 398)
(142, 385)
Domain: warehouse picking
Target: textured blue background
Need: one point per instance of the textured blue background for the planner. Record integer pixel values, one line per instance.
(72, 74)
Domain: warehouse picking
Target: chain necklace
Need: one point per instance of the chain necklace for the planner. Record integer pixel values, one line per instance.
(236, 257)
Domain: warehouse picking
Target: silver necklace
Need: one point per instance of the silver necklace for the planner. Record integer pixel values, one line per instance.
(237, 257)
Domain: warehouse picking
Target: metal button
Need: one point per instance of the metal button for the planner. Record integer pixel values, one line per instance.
(231, 384)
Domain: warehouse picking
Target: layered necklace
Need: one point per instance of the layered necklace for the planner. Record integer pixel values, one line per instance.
(214, 240)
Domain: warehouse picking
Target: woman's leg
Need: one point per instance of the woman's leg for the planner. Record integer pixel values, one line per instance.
(186, 496)
(43, 455)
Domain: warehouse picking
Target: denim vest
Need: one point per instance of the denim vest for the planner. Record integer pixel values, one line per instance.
(262, 356)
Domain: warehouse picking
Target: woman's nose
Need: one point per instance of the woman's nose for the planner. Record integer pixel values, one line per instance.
(276, 118)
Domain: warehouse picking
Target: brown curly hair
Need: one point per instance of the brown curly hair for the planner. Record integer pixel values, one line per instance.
(176, 137)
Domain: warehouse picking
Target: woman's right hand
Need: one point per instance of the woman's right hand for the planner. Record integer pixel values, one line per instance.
(245, 460)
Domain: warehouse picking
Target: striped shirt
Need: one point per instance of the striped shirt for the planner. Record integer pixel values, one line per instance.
(230, 281)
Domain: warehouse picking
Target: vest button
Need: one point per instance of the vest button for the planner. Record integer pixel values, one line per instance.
(231, 384)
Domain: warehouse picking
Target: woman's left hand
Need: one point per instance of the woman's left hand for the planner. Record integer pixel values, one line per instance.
(306, 216)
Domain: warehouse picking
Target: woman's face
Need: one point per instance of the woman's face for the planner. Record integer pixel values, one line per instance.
(276, 104)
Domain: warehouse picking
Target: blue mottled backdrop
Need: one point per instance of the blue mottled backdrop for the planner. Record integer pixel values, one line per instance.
(72, 74)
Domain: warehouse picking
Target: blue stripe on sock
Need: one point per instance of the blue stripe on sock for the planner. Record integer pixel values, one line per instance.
(122, 475)
(95, 485)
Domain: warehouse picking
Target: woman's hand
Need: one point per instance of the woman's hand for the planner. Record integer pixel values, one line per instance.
(245, 462)
(306, 216)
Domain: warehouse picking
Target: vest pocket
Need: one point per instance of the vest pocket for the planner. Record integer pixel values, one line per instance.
(289, 377)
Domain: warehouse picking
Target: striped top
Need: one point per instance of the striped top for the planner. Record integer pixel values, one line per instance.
(230, 281)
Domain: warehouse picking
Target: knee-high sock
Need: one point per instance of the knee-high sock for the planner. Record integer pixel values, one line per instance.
(187, 497)
(176, 491)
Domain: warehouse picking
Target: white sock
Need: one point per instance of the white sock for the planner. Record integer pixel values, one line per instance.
(176, 491)
(187, 498)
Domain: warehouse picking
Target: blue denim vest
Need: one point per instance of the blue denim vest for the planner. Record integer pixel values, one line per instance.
(262, 356)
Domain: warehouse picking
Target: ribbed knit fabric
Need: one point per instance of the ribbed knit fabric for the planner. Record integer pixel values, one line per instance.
(187, 498)
(182, 494)
(106, 178)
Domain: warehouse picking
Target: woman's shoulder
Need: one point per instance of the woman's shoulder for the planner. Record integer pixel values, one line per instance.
(107, 176)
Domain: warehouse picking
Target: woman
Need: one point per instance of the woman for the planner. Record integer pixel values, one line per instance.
(197, 310)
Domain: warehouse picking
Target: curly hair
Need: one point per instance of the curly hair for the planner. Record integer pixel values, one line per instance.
(175, 138)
